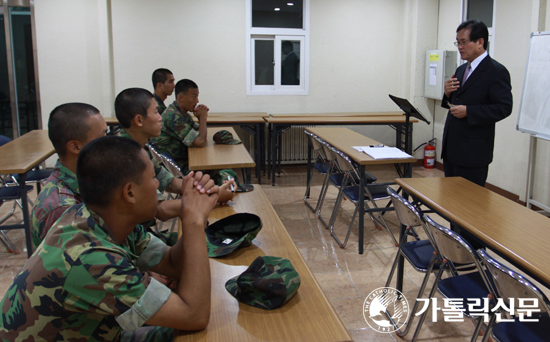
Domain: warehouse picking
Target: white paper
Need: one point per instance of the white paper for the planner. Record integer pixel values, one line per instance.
(433, 74)
(385, 152)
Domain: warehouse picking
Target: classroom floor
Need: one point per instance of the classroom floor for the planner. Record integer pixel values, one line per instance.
(345, 276)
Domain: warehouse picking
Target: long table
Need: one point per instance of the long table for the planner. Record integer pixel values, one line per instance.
(253, 123)
(306, 317)
(343, 139)
(278, 123)
(20, 156)
(515, 232)
(219, 156)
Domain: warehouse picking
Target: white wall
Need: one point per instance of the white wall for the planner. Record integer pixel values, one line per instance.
(360, 51)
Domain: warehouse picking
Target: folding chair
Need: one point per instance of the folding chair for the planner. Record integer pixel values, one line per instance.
(373, 192)
(321, 165)
(10, 193)
(509, 286)
(421, 254)
(454, 250)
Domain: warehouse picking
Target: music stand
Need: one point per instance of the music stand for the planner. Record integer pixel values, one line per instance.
(409, 111)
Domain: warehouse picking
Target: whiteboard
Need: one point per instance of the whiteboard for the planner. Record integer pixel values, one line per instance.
(534, 110)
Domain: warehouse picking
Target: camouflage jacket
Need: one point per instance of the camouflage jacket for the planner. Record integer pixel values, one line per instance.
(163, 176)
(60, 193)
(81, 285)
(160, 103)
(177, 134)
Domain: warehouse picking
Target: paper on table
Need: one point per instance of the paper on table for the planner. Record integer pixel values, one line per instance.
(385, 152)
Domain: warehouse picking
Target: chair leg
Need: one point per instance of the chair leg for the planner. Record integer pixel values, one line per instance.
(7, 242)
(343, 244)
(322, 195)
(381, 220)
(432, 292)
(420, 295)
(308, 189)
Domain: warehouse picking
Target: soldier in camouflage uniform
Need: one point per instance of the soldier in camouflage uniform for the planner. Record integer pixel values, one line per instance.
(137, 113)
(70, 127)
(163, 83)
(86, 280)
(179, 131)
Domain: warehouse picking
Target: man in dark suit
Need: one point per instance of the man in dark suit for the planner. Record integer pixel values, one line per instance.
(478, 95)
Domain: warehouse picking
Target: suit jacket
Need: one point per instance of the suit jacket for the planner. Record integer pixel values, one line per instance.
(487, 93)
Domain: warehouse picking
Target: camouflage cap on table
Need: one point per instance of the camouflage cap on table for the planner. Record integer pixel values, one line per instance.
(232, 232)
(268, 283)
(225, 137)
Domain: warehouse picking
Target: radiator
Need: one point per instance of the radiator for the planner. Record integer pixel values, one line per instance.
(294, 144)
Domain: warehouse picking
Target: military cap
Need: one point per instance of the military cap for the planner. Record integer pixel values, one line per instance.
(268, 283)
(225, 137)
(235, 231)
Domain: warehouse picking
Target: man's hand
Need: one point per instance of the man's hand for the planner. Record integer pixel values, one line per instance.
(451, 85)
(201, 112)
(226, 194)
(459, 112)
(198, 199)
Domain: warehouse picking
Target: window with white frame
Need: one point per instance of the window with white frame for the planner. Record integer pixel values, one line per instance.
(482, 10)
(277, 47)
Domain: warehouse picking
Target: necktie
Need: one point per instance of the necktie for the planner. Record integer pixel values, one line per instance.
(466, 73)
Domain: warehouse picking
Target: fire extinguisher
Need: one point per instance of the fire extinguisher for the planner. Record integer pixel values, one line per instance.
(429, 156)
(429, 153)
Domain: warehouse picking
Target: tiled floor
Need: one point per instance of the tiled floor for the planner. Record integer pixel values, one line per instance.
(345, 276)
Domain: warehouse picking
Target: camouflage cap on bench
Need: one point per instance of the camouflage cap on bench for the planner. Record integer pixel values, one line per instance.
(225, 137)
(268, 283)
(235, 231)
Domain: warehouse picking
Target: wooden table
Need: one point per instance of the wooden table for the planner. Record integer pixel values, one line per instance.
(20, 156)
(343, 139)
(219, 156)
(517, 233)
(306, 317)
(253, 123)
(279, 124)
(278, 115)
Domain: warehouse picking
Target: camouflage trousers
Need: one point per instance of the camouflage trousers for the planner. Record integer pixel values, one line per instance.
(148, 334)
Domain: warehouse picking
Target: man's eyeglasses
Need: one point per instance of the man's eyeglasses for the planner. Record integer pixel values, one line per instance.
(457, 44)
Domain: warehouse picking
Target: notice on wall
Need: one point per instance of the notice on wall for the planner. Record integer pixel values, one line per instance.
(433, 74)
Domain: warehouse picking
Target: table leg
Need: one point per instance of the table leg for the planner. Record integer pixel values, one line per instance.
(273, 153)
(361, 205)
(258, 153)
(308, 179)
(25, 209)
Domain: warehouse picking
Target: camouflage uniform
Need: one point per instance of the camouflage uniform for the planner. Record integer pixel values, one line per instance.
(160, 103)
(60, 193)
(165, 178)
(81, 285)
(177, 134)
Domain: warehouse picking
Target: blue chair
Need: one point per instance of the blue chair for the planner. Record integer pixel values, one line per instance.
(510, 285)
(454, 251)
